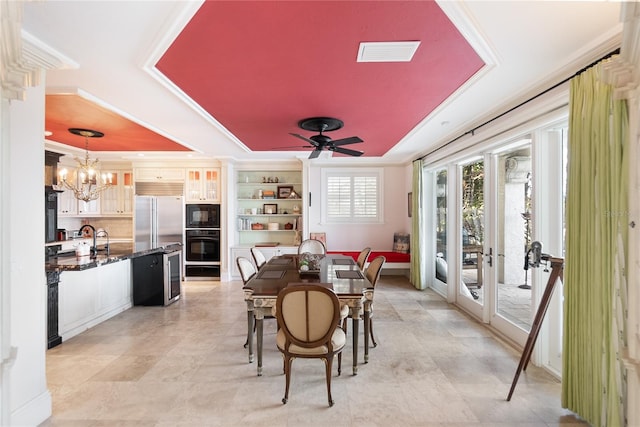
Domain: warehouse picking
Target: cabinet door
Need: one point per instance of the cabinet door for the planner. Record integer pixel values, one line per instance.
(118, 199)
(67, 202)
(235, 253)
(202, 185)
(160, 174)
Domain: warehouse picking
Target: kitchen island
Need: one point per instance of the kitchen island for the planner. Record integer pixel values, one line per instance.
(85, 291)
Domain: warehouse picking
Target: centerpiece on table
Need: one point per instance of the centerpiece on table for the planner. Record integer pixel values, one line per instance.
(309, 263)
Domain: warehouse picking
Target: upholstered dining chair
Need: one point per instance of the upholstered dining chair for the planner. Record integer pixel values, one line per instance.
(312, 246)
(372, 273)
(362, 258)
(309, 315)
(258, 257)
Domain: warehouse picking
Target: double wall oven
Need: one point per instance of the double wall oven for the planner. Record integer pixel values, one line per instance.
(202, 242)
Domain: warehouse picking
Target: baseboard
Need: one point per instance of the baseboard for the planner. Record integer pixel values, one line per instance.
(34, 412)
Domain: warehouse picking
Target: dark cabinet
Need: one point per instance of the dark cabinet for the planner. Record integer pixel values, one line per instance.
(148, 280)
(157, 278)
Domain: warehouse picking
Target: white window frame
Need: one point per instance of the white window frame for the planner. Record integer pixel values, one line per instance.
(377, 173)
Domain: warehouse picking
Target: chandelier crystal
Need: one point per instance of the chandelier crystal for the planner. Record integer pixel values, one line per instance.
(87, 184)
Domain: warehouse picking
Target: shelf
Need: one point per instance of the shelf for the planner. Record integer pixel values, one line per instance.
(251, 185)
(269, 215)
(266, 200)
(262, 231)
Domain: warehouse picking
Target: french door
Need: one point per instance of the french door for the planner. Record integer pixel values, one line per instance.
(489, 207)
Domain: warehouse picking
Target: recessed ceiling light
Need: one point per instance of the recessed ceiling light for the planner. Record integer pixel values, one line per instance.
(387, 51)
(48, 133)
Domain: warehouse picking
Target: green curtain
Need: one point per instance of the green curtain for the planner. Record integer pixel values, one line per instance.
(596, 242)
(417, 228)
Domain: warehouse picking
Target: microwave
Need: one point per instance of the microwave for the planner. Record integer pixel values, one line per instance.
(202, 216)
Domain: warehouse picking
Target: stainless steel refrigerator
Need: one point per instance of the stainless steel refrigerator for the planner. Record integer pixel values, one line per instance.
(158, 221)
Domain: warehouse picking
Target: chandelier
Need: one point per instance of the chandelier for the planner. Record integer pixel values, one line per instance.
(86, 183)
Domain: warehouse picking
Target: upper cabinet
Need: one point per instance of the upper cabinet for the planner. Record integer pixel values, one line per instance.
(67, 202)
(68, 205)
(159, 174)
(202, 185)
(117, 200)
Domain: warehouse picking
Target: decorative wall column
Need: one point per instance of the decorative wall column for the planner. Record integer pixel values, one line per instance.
(624, 74)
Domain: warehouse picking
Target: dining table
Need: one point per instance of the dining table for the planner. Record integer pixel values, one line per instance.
(340, 272)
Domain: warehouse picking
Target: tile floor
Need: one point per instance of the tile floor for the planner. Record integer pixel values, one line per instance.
(185, 365)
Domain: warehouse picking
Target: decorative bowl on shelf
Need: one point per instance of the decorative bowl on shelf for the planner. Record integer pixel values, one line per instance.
(257, 226)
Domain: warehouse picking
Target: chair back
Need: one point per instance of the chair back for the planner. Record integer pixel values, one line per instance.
(258, 257)
(362, 257)
(373, 270)
(308, 314)
(246, 268)
(312, 246)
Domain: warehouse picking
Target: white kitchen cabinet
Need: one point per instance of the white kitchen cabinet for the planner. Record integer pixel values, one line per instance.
(117, 200)
(67, 202)
(160, 174)
(68, 205)
(202, 185)
(89, 297)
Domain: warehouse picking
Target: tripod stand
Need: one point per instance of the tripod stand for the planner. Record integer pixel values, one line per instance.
(557, 267)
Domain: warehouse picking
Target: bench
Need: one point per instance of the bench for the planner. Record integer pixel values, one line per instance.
(394, 260)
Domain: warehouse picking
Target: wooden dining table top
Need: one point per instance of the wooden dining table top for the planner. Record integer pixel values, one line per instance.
(339, 271)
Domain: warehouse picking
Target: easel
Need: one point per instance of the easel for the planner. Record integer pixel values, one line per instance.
(557, 267)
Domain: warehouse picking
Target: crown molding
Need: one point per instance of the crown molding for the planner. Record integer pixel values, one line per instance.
(23, 58)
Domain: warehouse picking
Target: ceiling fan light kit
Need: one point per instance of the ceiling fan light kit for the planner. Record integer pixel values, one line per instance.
(321, 142)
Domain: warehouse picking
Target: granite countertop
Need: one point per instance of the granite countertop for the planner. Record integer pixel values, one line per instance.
(67, 261)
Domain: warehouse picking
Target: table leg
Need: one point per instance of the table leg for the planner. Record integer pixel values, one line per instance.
(366, 335)
(259, 322)
(250, 334)
(355, 323)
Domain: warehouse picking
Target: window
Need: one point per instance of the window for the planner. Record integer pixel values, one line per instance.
(352, 196)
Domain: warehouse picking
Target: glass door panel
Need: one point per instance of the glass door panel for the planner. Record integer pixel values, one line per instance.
(472, 231)
(513, 288)
(442, 260)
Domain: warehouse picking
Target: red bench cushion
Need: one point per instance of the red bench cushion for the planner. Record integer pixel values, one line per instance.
(389, 255)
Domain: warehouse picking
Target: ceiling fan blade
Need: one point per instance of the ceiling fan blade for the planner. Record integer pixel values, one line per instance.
(345, 141)
(310, 141)
(291, 147)
(314, 154)
(346, 151)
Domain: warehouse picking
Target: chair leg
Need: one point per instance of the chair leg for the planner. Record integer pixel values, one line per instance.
(249, 328)
(373, 340)
(287, 374)
(339, 363)
(328, 363)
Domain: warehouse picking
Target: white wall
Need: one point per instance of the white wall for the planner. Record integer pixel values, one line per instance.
(357, 236)
(30, 400)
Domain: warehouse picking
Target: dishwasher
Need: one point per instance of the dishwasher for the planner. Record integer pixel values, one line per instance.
(157, 278)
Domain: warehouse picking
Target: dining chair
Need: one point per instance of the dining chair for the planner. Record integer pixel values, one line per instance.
(258, 257)
(362, 258)
(372, 273)
(312, 246)
(308, 316)
(247, 271)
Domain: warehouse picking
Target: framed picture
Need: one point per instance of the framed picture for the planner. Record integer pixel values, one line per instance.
(270, 208)
(410, 203)
(284, 191)
(319, 236)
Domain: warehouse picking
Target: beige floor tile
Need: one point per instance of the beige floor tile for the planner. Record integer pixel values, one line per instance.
(185, 365)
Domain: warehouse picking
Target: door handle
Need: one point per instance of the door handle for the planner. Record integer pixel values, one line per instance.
(490, 255)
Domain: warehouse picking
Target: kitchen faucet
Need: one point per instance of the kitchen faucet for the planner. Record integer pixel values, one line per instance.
(103, 233)
(94, 248)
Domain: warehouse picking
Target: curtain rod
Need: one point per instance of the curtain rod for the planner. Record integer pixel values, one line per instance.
(472, 131)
